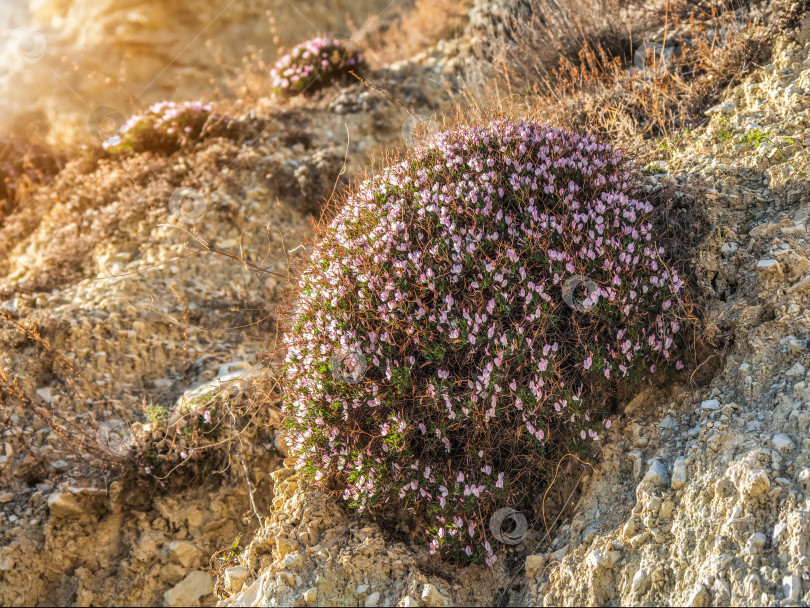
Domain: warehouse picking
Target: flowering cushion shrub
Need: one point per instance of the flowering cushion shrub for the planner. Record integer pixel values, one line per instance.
(312, 65)
(164, 128)
(440, 360)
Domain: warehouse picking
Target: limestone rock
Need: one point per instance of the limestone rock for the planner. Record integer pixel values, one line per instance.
(782, 442)
(757, 540)
(76, 503)
(603, 559)
(770, 269)
(710, 405)
(756, 483)
(431, 596)
(196, 585)
(699, 597)
(791, 587)
(641, 582)
(235, 577)
(185, 553)
(535, 565)
(311, 596)
(657, 474)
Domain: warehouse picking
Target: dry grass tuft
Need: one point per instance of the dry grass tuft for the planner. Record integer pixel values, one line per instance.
(579, 67)
(410, 31)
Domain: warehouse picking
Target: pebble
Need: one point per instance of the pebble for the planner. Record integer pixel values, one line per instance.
(778, 529)
(637, 460)
(629, 528)
(791, 587)
(639, 539)
(603, 559)
(756, 483)
(668, 423)
(782, 443)
(590, 531)
(373, 599)
(184, 552)
(721, 591)
(293, 561)
(678, 473)
(641, 582)
(311, 596)
(722, 108)
(800, 286)
(757, 540)
(710, 404)
(6, 497)
(770, 269)
(235, 577)
(535, 565)
(657, 474)
(699, 596)
(797, 347)
(196, 585)
(559, 553)
(729, 249)
(795, 372)
(6, 562)
(76, 503)
(433, 597)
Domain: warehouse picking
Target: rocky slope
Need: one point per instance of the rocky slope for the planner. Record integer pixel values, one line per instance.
(101, 265)
(701, 495)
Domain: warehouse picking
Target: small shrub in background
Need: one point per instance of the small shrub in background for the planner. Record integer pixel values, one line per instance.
(164, 128)
(442, 358)
(22, 161)
(312, 65)
(188, 438)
